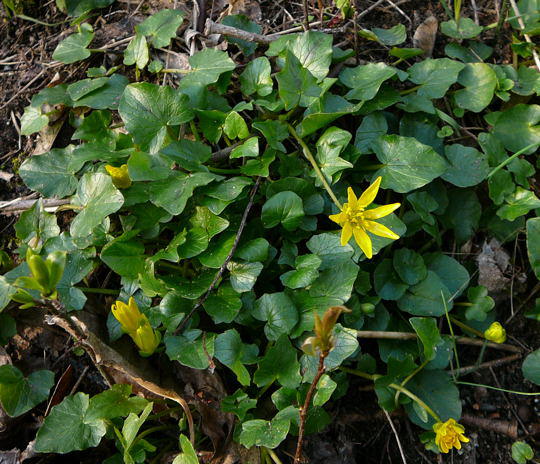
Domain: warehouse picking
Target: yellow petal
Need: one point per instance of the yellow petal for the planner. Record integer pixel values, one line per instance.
(363, 241)
(380, 230)
(351, 198)
(338, 218)
(346, 233)
(381, 211)
(370, 193)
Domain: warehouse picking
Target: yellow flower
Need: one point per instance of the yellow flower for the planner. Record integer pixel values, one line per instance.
(357, 220)
(449, 435)
(495, 333)
(120, 176)
(128, 315)
(146, 338)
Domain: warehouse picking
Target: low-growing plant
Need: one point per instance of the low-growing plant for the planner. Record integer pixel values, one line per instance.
(239, 212)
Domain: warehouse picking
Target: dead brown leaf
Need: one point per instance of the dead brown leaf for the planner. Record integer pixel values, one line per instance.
(425, 35)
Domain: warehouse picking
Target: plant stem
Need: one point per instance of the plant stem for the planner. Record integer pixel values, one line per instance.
(466, 327)
(511, 158)
(399, 388)
(499, 389)
(103, 291)
(305, 407)
(194, 130)
(454, 346)
(311, 159)
(409, 377)
(157, 428)
(306, 15)
(273, 456)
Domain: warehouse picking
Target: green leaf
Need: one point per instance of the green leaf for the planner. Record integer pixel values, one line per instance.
(373, 125)
(124, 255)
(314, 52)
(249, 149)
(387, 283)
(8, 327)
(188, 349)
(436, 389)
(409, 266)
(466, 28)
(279, 363)
(188, 454)
(453, 275)
(328, 247)
(239, 403)
(426, 297)
(67, 429)
(393, 36)
(235, 126)
(106, 96)
(230, 351)
(323, 111)
(79, 7)
(329, 146)
(6, 292)
(480, 82)
(428, 333)
(73, 48)
(33, 120)
(173, 193)
(279, 312)
(189, 154)
(521, 452)
(131, 427)
(481, 303)
(325, 387)
(531, 367)
(259, 432)
(463, 213)
(136, 52)
(296, 85)
(98, 198)
(518, 127)
(225, 305)
(161, 27)
(408, 164)
(244, 275)
(19, 394)
(285, 208)
(467, 167)
(150, 110)
(533, 244)
(518, 204)
(435, 76)
(365, 80)
(36, 222)
(306, 272)
(256, 77)
(115, 402)
(274, 132)
(51, 174)
(260, 166)
(206, 67)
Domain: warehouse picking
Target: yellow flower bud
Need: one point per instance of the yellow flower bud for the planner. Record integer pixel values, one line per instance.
(128, 315)
(449, 435)
(495, 333)
(120, 176)
(146, 338)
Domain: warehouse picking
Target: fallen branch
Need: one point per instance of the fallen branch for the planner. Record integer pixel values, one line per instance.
(20, 205)
(108, 361)
(216, 28)
(487, 364)
(412, 336)
(221, 270)
(504, 427)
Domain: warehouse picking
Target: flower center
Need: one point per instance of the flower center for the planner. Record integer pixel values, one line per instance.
(355, 216)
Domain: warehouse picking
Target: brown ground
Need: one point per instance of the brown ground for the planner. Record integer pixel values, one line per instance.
(358, 434)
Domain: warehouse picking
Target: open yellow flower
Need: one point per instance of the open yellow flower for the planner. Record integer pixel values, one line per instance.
(358, 221)
(449, 435)
(128, 315)
(495, 333)
(120, 176)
